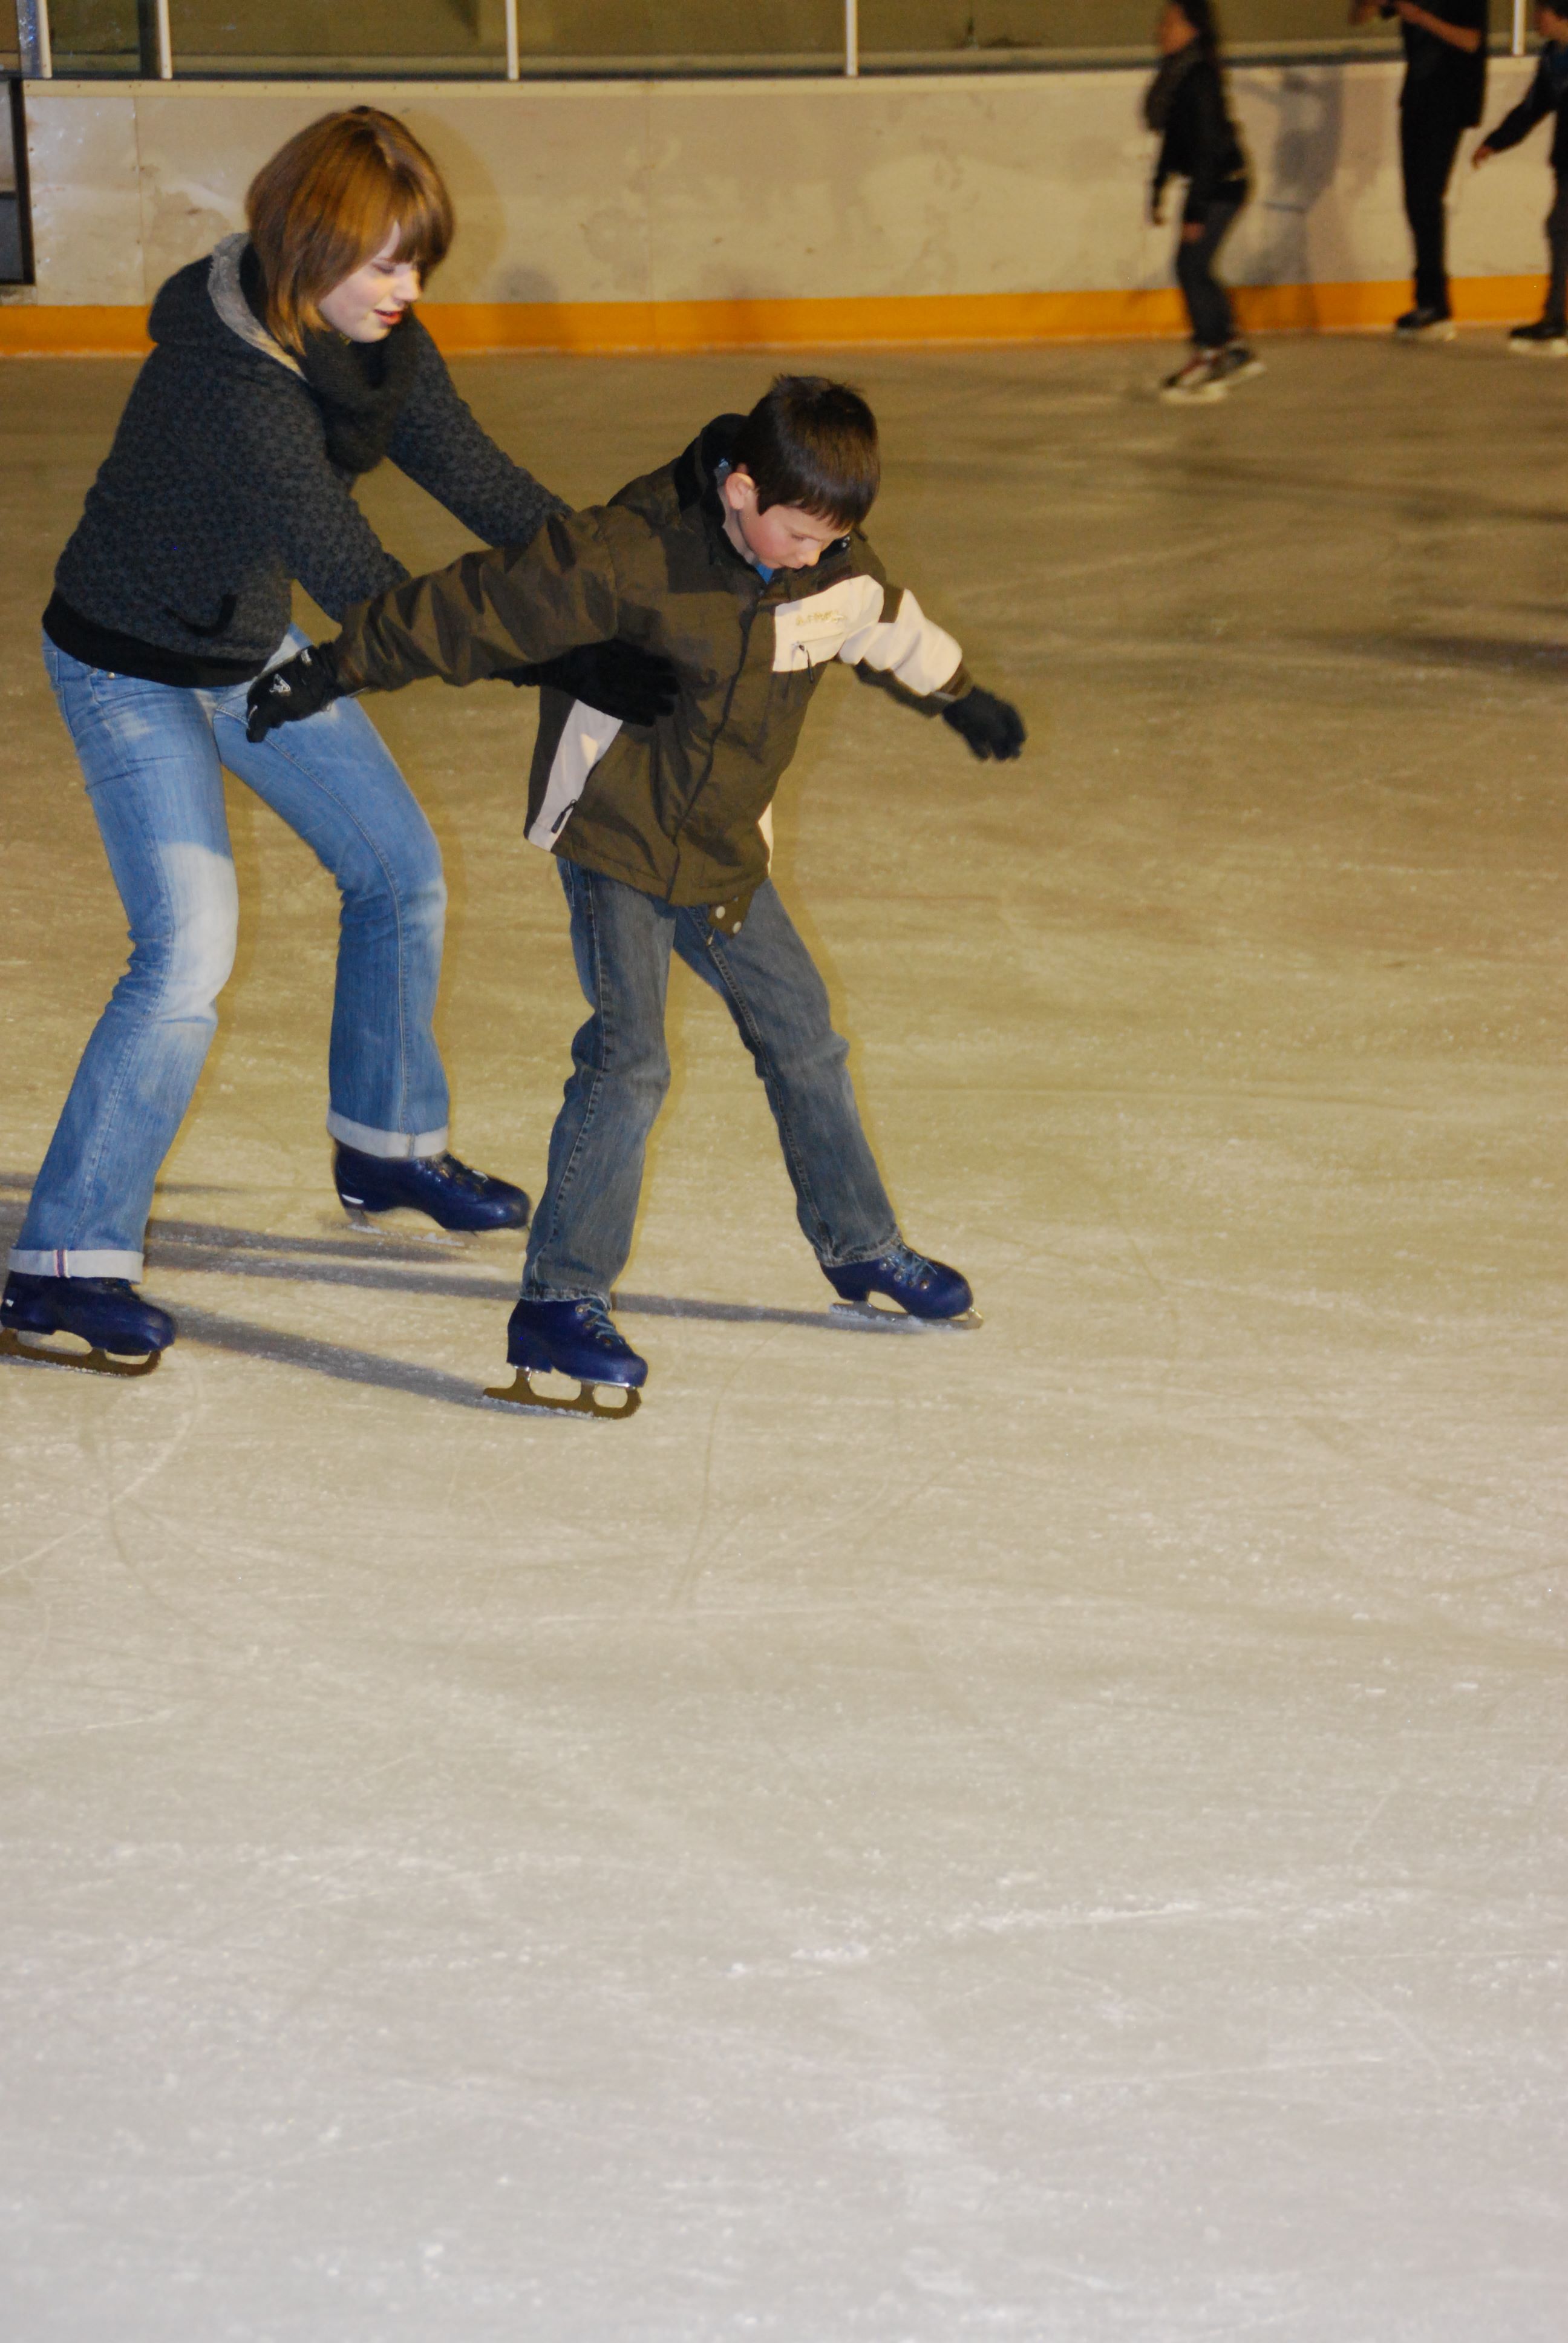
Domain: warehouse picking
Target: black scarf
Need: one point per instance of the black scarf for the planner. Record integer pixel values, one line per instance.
(1161, 95)
(359, 386)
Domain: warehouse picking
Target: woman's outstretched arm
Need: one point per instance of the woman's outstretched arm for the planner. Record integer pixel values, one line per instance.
(440, 443)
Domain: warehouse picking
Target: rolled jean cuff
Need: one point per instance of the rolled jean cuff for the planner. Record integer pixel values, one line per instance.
(391, 1146)
(67, 1264)
(860, 1257)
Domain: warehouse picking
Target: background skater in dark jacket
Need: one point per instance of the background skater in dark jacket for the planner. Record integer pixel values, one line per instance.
(1444, 92)
(1186, 105)
(1547, 94)
(283, 366)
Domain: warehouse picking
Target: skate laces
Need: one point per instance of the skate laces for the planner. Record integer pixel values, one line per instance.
(461, 1175)
(595, 1318)
(902, 1262)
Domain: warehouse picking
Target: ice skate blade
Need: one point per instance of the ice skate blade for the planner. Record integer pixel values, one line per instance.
(401, 1225)
(91, 1363)
(584, 1401)
(870, 1313)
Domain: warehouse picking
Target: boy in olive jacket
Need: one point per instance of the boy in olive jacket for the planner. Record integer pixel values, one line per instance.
(742, 562)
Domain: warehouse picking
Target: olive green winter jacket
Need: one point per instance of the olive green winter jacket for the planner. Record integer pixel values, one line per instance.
(679, 808)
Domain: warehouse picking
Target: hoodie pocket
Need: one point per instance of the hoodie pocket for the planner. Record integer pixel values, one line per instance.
(205, 632)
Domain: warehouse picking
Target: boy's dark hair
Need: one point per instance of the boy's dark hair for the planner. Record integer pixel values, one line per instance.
(813, 443)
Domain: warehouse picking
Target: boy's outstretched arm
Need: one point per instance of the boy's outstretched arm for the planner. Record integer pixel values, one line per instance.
(484, 615)
(899, 645)
(991, 726)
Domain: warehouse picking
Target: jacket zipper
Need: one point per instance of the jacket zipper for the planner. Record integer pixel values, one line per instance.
(746, 624)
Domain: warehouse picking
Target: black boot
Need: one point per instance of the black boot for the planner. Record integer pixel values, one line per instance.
(453, 1196)
(125, 1335)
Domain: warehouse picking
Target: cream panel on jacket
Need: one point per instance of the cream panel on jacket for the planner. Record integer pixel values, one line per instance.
(846, 623)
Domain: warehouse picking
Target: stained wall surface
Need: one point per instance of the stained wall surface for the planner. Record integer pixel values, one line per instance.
(672, 192)
(1056, 1833)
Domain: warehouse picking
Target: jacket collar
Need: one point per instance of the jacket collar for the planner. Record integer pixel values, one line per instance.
(696, 473)
(697, 470)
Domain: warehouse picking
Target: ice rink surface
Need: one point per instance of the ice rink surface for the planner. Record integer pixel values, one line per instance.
(1052, 1833)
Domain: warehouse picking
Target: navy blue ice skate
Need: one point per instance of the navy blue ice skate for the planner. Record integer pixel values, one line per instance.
(453, 1196)
(124, 1336)
(571, 1338)
(922, 1288)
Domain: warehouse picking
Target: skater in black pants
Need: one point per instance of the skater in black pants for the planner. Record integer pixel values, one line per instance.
(1444, 92)
(1547, 93)
(1186, 105)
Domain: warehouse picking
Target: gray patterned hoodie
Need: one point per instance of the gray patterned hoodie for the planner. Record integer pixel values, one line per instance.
(220, 490)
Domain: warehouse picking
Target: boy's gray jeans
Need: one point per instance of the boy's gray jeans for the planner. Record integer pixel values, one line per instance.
(622, 940)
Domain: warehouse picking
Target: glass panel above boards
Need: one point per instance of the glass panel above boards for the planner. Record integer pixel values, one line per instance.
(917, 35)
(473, 39)
(468, 38)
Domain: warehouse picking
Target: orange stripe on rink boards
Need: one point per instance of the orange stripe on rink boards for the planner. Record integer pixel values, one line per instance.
(936, 318)
(38, 331)
(29, 329)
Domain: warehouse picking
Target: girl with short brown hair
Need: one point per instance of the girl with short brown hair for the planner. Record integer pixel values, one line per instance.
(284, 365)
(323, 204)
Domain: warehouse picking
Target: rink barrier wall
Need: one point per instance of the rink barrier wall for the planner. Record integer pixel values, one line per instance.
(634, 217)
(472, 329)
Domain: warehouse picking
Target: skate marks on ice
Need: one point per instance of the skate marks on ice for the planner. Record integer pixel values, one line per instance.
(873, 1314)
(404, 1265)
(395, 1265)
(388, 1267)
(337, 1360)
(838, 1318)
(371, 1258)
(401, 1262)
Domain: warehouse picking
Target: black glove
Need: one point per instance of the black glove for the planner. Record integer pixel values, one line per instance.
(992, 727)
(636, 686)
(303, 686)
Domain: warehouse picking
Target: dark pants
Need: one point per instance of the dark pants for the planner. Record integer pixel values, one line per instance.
(1429, 138)
(622, 940)
(1556, 307)
(1208, 303)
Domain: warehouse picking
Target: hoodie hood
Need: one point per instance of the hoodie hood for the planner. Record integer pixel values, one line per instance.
(226, 291)
(188, 321)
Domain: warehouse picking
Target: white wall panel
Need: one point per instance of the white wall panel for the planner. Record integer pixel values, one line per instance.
(701, 191)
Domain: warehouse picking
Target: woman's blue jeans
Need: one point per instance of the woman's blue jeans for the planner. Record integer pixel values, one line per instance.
(621, 940)
(153, 755)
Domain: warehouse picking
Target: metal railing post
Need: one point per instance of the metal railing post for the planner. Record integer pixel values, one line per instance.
(33, 39)
(1520, 12)
(514, 63)
(165, 39)
(852, 38)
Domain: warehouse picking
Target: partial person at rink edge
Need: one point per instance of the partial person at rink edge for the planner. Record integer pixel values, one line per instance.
(743, 562)
(1546, 98)
(286, 365)
(1443, 96)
